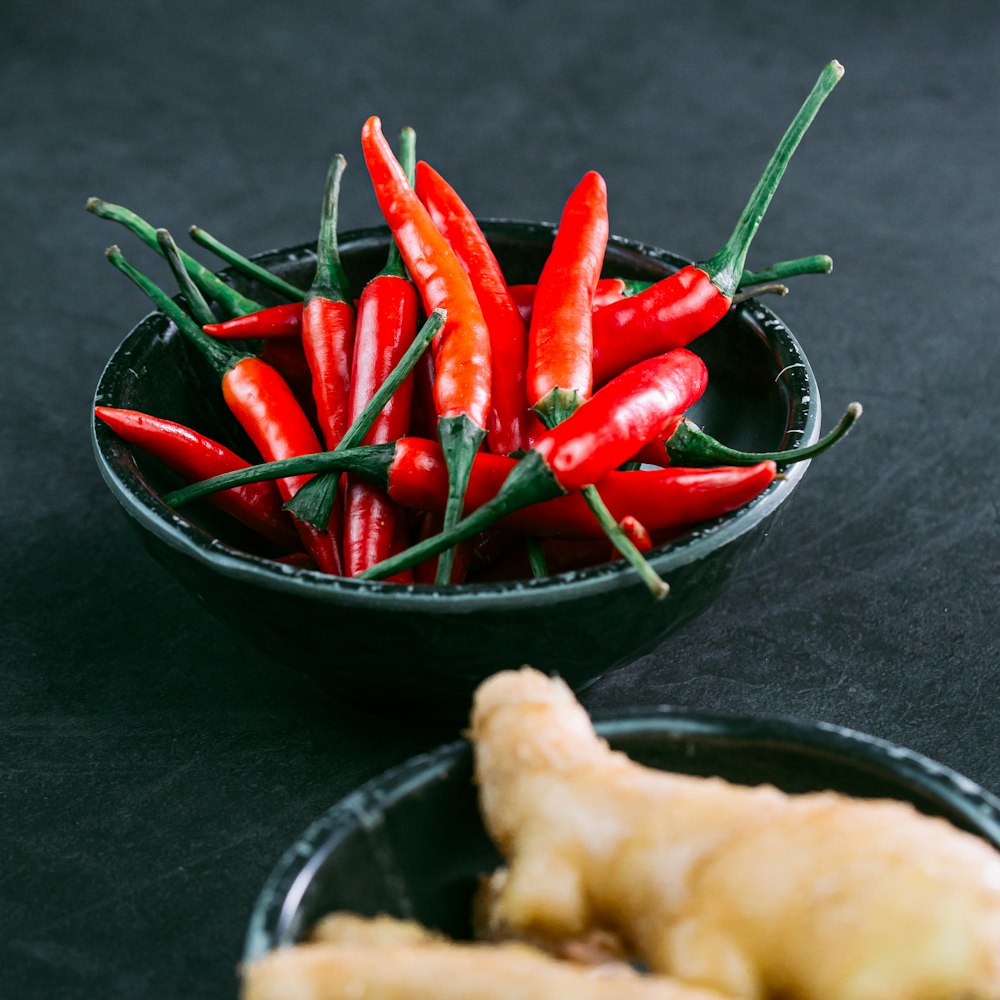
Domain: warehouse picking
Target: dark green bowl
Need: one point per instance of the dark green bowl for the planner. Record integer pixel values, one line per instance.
(410, 843)
(404, 648)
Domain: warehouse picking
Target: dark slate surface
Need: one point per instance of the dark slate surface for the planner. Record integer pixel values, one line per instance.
(152, 766)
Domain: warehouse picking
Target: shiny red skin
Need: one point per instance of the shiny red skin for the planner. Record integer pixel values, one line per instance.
(462, 348)
(194, 457)
(658, 499)
(275, 321)
(620, 418)
(386, 325)
(509, 419)
(560, 336)
(328, 341)
(665, 316)
(266, 408)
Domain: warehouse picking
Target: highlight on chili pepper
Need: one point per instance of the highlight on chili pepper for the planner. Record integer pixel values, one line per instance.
(553, 412)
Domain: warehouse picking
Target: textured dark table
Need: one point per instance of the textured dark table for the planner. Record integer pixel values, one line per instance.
(153, 767)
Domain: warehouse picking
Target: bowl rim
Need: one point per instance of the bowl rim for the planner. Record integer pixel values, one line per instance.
(146, 507)
(284, 887)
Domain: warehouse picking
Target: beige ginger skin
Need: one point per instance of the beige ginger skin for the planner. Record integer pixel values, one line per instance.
(748, 891)
(352, 958)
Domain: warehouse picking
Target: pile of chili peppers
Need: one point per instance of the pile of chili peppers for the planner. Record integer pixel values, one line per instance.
(543, 430)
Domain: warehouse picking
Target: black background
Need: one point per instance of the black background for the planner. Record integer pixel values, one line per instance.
(154, 766)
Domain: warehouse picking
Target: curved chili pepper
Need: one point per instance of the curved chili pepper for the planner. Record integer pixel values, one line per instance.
(560, 372)
(266, 408)
(600, 435)
(387, 323)
(284, 320)
(413, 472)
(462, 359)
(509, 419)
(674, 311)
(259, 399)
(194, 456)
(611, 290)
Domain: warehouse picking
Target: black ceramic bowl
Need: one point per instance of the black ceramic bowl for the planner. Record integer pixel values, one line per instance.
(393, 646)
(410, 843)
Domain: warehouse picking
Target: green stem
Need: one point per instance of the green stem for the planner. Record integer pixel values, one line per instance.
(313, 503)
(211, 284)
(553, 408)
(771, 288)
(220, 357)
(818, 263)
(460, 440)
(198, 307)
(372, 461)
(394, 266)
(536, 557)
(556, 405)
(330, 281)
(657, 586)
(245, 265)
(689, 445)
(726, 267)
(530, 481)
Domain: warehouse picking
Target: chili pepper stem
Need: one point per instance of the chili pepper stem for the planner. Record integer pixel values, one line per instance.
(536, 557)
(771, 288)
(556, 405)
(197, 306)
(657, 586)
(460, 440)
(218, 355)
(244, 265)
(530, 481)
(330, 281)
(371, 461)
(689, 445)
(726, 267)
(212, 285)
(818, 263)
(314, 502)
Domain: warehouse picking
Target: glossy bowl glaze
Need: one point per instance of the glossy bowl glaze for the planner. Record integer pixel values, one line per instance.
(410, 843)
(402, 648)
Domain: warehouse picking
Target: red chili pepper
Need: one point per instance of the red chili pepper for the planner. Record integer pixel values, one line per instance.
(560, 372)
(194, 456)
(659, 499)
(674, 311)
(275, 321)
(462, 353)
(387, 323)
(287, 357)
(259, 399)
(509, 420)
(328, 321)
(413, 472)
(462, 359)
(601, 434)
(266, 408)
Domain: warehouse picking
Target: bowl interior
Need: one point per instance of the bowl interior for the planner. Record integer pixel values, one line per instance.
(410, 843)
